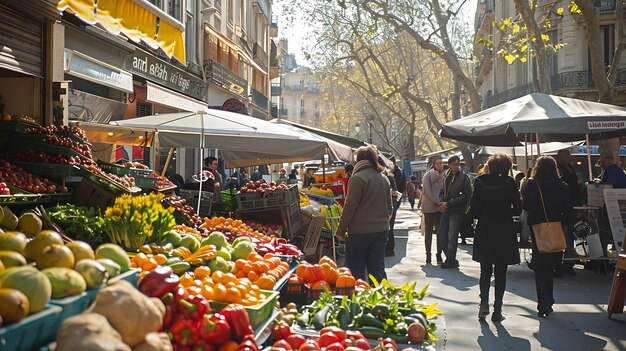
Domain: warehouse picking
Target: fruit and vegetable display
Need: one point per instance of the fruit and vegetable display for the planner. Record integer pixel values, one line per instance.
(125, 180)
(52, 130)
(19, 118)
(384, 311)
(19, 178)
(136, 165)
(267, 229)
(180, 205)
(161, 182)
(233, 228)
(4, 189)
(260, 186)
(79, 222)
(44, 157)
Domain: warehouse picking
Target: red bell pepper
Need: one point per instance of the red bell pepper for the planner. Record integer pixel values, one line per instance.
(248, 343)
(183, 332)
(214, 329)
(202, 345)
(281, 331)
(159, 282)
(194, 306)
(239, 322)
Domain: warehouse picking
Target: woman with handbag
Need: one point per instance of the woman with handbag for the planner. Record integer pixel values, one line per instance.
(549, 206)
(495, 201)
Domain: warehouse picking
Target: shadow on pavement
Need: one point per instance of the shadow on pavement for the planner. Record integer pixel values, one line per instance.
(571, 337)
(452, 277)
(502, 341)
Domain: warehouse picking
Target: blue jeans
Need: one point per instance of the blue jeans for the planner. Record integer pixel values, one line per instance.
(366, 251)
(449, 234)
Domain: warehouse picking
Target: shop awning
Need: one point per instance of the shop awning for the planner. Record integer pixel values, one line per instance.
(111, 134)
(235, 47)
(167, 97)
(137, 20)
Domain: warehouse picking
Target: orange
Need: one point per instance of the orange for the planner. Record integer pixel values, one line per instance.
(301, 268)
(345, 281)
(233, 295)
(284, 265)
(243, 290)
(253, 276)
(186, 280)
(268, 255)
(229, 278)
(247, 267)
(160, 258)
(240, 274)
(240, 263)
(207, 292)
(266, 282)
(217, 276)
(274, 274)
(328, 260)
(194, 290)
(202, 271)
(219, 292)
(207, 281)
(149, 264)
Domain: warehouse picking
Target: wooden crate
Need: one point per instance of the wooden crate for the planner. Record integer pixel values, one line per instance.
(314, 226)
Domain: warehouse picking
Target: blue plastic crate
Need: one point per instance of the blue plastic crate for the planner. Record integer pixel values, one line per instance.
(131, 276)
(71, 305)
(33, 332)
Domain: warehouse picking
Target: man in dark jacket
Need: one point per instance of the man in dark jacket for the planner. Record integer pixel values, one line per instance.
(400, 180)
(569, 177)
(457, 191)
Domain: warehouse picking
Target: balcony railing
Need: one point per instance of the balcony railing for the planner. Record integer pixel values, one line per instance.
(276, 89)
(225, 78)
(312, 90)
(260, 54)
(259, 99)
(562, 82)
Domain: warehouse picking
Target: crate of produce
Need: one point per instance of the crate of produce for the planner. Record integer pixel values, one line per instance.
(191, 196)
(32, 332)
(276, 198)
(131, 276)
(15, 126)
(294, 220)
(294, 292)
(120, 170)
(88, 193)
(36, 143)
(48, 170)
(106, 183)
(257, 314)
(71, 306)
(227, 197)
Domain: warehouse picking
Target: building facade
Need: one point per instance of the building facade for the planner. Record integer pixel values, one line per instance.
(300, 98)
(570, 67)
(106, 60)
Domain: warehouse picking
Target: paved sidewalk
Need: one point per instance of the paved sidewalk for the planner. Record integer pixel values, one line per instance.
(579, 322)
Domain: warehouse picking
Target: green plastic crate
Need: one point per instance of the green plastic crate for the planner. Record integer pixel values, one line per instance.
(47, 170)
(15, 126)
(257, 314)
(32, 332)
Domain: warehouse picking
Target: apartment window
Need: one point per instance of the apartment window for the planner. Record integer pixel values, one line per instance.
(144, 109)
(190, 36)
(607, 38)
(175, 9)
(242, 14)
(301, 107)
(553, 57)
(157, 3)
(231, 10)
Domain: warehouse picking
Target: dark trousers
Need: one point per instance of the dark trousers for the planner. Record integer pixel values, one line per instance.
(390, 246)
(366, 252)
(412, 202)
(544, 281)
(448, 236)
(486, 270)
(431, 220)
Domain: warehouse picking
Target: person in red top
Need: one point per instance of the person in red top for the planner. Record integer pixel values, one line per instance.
(412, 190)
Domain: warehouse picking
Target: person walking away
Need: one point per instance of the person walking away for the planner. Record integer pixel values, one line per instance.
(432, 190)
(365, 216)
(569, 177)
(457, 191)
(391, 244)
(546, 192)
(256, 175)
(412, 190)
(398, 174)
(495, 200)
(524, 237)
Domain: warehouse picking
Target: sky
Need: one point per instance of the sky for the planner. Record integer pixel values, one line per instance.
(296, 32)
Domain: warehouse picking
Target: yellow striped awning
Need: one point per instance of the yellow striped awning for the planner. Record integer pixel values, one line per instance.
(131, 19)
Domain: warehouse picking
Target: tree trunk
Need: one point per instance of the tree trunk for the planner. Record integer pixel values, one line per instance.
(541, 55)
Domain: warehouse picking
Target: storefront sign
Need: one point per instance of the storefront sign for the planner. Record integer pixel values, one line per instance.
(164, 96)
(606, 125)
(615, 200)
(88, 68)
(152, 68)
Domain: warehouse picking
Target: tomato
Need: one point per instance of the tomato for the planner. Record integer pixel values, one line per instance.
(309, 345)
(336, 330)
(389, 347)
(416, 332)
(283, 344)
(390, 341)
(328, 338)
(347, 342)
(281, 331)
(362, 344)
(295, 341)
(335, 347)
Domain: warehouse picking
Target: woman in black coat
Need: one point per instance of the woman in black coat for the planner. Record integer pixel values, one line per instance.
(558, 206)
(494, 202)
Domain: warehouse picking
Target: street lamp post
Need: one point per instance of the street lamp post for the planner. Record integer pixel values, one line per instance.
(370, 126)
(357, 128)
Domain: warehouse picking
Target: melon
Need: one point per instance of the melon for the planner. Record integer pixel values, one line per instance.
(12, 259)
(36, 246)
(55, 256)
(114, 253)
(31, 282)
(13, 241)
(81, 250)
(14, 305)
(65, 282)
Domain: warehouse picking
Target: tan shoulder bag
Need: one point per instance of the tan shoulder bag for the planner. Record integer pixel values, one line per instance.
(549, 236)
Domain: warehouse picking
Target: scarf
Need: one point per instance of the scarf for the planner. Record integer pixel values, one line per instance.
(435, 177)
(361, 165)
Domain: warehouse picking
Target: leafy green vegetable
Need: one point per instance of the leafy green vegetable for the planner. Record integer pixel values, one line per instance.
(79, 222)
